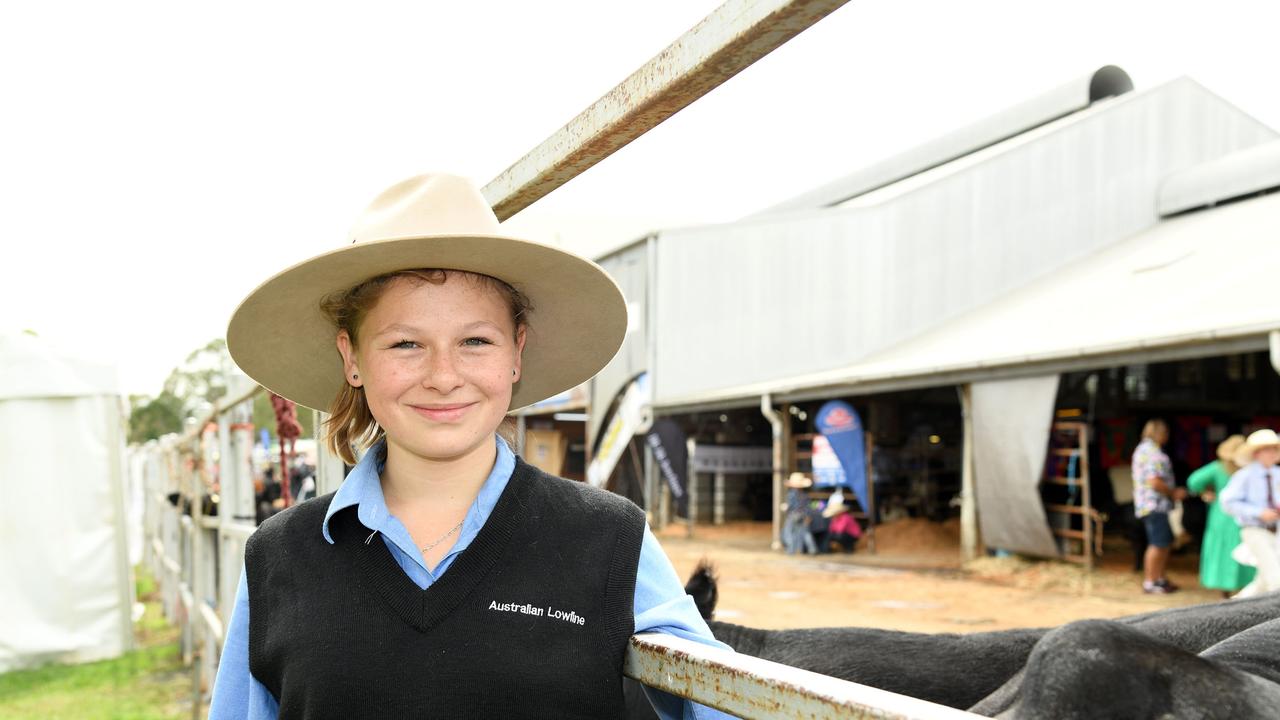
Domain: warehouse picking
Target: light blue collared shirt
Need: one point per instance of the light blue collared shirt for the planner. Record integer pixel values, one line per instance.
(660, 604)
(1252, 489)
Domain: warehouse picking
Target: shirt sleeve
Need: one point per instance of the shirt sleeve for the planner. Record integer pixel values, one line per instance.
(661, 605)
(1203, 479)
(237, 694)
(1236, 498)
(1148, 465)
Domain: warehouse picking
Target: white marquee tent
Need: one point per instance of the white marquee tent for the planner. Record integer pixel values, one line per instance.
(67, 594)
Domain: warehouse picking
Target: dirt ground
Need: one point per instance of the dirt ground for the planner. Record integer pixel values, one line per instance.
(915, 581)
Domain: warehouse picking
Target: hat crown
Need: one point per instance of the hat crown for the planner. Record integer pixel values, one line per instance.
(799, 480)
(1228, 448)
(426, 205)
(1263, 437)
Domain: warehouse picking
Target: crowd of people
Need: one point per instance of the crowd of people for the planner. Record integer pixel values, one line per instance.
(1240, 489)
(1238, 554)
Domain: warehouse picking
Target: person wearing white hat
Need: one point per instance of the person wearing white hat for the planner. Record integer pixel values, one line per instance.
(446, 576)
(1251, 498)
(844, 529)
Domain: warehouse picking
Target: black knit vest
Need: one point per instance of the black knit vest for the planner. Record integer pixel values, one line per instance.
(530, 621)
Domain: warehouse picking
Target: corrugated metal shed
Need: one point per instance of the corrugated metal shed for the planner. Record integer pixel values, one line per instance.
(753, 304)
(1195, 285)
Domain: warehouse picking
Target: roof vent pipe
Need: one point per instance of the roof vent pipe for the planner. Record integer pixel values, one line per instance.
(775, 419)
(1239, 175)
(1108, 81)
(1045, 108)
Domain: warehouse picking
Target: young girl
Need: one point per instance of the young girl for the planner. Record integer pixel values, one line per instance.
(445, 577)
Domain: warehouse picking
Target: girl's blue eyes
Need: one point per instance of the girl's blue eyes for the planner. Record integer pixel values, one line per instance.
(470, 342)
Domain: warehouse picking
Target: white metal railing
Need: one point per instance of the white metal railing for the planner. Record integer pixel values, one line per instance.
(753, 688)
(196, 558)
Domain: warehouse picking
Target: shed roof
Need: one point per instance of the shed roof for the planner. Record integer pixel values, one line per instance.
(807, 294)
(1195, 285)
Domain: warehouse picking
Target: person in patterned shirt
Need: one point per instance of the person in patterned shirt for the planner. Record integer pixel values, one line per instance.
(1154, 492)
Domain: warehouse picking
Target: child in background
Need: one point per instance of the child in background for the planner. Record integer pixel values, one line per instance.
(795, 528)
(843, 529)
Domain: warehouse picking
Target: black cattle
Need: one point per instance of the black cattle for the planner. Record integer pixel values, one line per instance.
(949, 669)
(978, 671)
(1190, 629)
(1108, 670)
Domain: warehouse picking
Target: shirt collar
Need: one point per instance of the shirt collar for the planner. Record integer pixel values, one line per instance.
(363, 488)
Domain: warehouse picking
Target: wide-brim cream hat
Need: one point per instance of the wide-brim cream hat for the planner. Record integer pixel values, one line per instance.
(799, 480)
(280, 338)
(835, 506)
(1257, 440)
(1227, 449)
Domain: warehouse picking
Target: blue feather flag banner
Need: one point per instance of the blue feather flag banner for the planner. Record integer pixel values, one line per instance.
(840, 425)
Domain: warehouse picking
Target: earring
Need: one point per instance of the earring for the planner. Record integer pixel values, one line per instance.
(513, 372)
(355, 376)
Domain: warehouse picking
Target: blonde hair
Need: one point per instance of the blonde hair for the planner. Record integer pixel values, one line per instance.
(350, 422)
(1155, 428)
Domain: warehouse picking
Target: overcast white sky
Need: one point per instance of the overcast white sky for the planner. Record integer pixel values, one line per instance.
(159, 159)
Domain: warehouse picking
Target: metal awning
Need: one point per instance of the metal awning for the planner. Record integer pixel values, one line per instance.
(1195, 285)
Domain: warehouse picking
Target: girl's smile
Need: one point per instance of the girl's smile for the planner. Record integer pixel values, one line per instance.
(443, 413)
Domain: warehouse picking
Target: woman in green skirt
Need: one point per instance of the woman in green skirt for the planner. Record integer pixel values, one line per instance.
(1217, 569)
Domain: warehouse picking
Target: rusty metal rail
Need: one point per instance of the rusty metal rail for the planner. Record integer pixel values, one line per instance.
(724, 43)
(753, 688)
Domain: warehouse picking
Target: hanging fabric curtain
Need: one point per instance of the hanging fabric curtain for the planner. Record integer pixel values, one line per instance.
(1011, 422)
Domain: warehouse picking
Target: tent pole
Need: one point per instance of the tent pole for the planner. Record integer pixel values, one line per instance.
(968, 500)
(775, 420)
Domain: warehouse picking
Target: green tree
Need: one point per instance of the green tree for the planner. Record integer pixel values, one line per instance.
(201, 379)
(150, 418)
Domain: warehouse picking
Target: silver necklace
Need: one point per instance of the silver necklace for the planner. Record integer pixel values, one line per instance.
(454, 529)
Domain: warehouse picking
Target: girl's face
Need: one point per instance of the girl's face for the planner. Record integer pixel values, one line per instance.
(436, 363)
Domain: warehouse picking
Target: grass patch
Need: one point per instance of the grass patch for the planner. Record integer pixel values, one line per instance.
(148, 683)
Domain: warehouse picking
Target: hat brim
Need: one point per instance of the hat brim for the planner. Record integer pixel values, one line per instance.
(1247, 450)
(280, 338)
